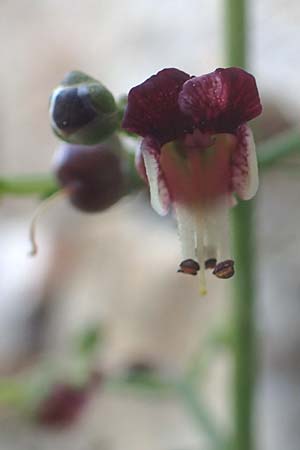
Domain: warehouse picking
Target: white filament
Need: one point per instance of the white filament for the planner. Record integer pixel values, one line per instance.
(186, 230)
(200, 233)
(204, 234)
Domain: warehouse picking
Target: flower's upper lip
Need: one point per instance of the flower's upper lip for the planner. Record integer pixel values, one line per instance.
(171, 103)
(221, 100)
(153, 108)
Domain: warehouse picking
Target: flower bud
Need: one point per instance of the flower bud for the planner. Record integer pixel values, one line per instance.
(62, 406)
(94, 177)
(64, 403)
(82, 110)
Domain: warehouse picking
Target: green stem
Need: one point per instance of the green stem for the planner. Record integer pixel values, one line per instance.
(187, 394)
(235, 33)
(243, 244)
(279, 146)
(200, 415)
(244, 331)
(27, 185)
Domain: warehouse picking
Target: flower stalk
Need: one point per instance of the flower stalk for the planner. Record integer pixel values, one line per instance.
(243, 246)
(25, 185)
(278, 147)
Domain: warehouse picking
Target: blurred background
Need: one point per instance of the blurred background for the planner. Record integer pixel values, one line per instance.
(117, 269)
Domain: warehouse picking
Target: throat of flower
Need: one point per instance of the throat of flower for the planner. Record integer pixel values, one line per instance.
(203, 233)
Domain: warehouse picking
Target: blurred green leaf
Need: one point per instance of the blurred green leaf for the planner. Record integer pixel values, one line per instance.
(88, 340)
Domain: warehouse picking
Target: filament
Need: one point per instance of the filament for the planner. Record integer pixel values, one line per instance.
(186, 231)
(40, 210)
(200, 231)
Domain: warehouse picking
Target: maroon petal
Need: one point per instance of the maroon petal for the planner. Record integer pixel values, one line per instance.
(153, 109)
(244, 165)
(222, 100)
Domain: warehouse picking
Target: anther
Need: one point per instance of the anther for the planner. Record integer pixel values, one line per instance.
(210, 263)
(189, 266)
(224, 269)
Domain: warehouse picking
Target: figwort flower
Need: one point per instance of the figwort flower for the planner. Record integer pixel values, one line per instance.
(197, 152)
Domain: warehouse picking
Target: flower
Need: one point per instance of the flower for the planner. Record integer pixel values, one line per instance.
(197, 152)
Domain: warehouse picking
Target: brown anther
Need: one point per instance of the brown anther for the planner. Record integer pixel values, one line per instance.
(224, 269)
(189, 266)
(210, 263)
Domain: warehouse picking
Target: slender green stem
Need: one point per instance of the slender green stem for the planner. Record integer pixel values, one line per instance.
(203, 420)
(27, 185)
(243, 244)
(279, 146)
(235, 32)
(244, 332)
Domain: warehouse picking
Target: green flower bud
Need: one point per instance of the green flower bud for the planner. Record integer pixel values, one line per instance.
(82, 110)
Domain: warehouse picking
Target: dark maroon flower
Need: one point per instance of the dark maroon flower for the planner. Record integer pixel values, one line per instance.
(197, 151)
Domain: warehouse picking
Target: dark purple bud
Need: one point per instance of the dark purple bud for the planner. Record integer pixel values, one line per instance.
(82, 110)
(93, 177)
(65, 402)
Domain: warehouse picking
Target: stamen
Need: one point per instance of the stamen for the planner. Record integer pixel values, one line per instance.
(217, 230)
(186, 231)
(210, 263)
(189, 266)
(40, 210)
(211, 237)
(224, 269)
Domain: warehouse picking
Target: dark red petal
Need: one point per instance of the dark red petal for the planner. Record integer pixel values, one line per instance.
(153, 109)
(244, 164)
(222, 100)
